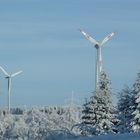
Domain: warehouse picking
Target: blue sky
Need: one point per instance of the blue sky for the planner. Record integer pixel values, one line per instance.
(41, 38)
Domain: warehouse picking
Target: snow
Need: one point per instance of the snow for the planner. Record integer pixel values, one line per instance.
(135, 107)
(132, 136)
(135, 136)
(99, 121)
(38, 123)
(51, 123)
(99, 114)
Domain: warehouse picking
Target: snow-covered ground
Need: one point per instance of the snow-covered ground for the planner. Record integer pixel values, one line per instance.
(132, 136)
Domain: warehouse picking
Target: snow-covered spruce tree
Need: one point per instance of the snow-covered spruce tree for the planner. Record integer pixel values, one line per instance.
(124, 112)
(87, 127)
(135, 107)
(99, 114)
(87, 111)
(107, 112)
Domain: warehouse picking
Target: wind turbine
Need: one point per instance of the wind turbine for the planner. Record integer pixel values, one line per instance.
(98, 46)
(9, 77)
(72, 102)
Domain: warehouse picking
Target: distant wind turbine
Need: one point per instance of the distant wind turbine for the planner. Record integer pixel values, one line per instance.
(98, 47)
(72, 101)
(9, 77)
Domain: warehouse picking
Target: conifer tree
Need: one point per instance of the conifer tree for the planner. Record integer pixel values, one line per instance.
(135, 107)
(99, 112)
(89, 119)
(108, 118)
(124, 111)
(87, 111)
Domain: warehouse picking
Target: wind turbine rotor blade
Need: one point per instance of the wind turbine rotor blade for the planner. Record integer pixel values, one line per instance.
(88, 37)
(17, 73)
(3, 70)
(107, 38)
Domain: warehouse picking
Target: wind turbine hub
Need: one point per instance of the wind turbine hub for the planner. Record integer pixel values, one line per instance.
(96, 46)
(7, 77)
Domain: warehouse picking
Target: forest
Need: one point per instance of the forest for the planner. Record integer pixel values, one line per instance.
(97, 117)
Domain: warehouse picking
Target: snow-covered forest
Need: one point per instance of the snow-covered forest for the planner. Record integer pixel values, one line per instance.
(98, 117)
(38, 123)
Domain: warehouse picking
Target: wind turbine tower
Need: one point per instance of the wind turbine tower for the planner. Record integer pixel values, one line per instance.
(9, 77)
(98, 46)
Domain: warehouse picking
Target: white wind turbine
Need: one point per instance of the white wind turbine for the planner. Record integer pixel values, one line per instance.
(98, 47)
(72, 101)
(9, 77)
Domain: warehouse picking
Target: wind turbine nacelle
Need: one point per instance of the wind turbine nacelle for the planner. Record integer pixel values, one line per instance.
(97, 46)
(7, 77)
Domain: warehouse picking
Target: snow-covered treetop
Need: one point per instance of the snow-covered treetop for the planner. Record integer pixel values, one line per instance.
(136, 86)
(104, 83)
